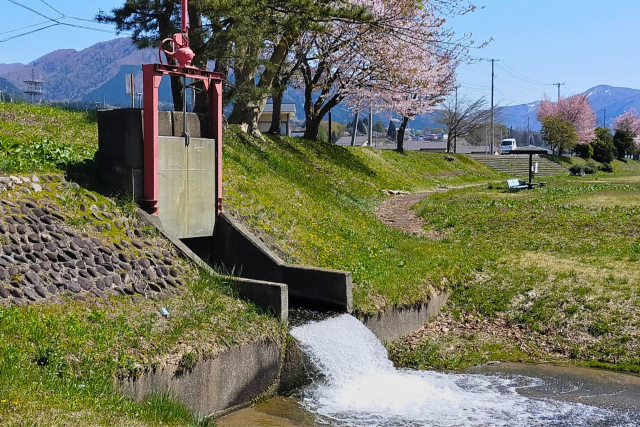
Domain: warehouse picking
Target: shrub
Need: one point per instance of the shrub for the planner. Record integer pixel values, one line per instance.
(590, 168)
(603, 149)
(322, 135)
(606, 167)
(583, 150)
(576, 170)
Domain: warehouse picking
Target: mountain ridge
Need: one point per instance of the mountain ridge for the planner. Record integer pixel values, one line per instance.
(95, 74)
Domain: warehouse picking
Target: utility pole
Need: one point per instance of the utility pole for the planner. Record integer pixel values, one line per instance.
(558, 84)
(604, 119)
(330, 134)
(455, 135)
(354, 131)
(492, 105)
(486, 137)
(370, 139)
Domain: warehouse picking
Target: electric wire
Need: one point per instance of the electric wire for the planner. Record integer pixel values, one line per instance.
(52, 8)
(28, 32)
(523, 76)
(56, 21)
(24, 28)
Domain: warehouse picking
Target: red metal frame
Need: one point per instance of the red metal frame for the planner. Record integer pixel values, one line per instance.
(152, 75)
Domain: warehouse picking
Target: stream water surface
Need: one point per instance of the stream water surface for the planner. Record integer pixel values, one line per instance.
(359, 386)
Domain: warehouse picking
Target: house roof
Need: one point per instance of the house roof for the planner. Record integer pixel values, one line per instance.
(286, 108)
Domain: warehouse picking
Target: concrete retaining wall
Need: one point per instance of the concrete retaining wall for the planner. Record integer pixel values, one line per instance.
(120, 144)
(231, 379)
(391, 324)
(297, 370)
(235, 249)
(269, 295)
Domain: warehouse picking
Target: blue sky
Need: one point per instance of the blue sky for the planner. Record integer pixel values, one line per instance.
(582, 43)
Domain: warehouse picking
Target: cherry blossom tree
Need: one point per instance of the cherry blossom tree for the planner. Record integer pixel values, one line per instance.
(628, 121)
(401, 58)
(575, 110)
(627, 133)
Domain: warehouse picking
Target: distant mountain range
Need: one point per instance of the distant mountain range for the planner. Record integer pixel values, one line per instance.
(97, 74)
(9, 91)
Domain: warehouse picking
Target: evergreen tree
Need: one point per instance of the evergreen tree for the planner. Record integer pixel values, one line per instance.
(392, 132)
(624, 141)
(361, 127)
(603, 149)
(378, 127)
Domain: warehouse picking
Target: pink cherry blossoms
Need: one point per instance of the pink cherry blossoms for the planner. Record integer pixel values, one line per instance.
(575, 110)
(401, 59)
(630, 122)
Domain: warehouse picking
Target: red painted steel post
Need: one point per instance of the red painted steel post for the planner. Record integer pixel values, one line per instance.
(151, 82)
(215, 125)
(185, 14)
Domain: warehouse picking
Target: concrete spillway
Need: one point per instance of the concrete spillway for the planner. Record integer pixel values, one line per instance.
(359, 386)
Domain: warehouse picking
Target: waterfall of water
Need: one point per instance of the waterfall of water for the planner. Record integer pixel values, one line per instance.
(361, 387)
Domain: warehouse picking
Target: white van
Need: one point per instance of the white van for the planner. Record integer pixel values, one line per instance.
(507, 145)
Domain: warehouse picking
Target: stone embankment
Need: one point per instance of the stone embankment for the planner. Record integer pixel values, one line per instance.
(58, 241)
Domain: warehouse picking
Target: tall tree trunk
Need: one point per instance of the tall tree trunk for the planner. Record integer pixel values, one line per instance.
(196, 41)
(246, 114)
(248, 109)
(403, 127)
(176, 92)
(312, 128)
(277, 96)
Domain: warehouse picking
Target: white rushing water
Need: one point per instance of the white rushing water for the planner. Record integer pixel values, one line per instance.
(361, 387)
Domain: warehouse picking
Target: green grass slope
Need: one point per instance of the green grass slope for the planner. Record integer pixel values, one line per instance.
(39, 138)
(314, 204)
(556, 276)
(59, 362)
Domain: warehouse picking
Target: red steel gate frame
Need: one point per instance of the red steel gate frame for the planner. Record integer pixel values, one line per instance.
(152, 75)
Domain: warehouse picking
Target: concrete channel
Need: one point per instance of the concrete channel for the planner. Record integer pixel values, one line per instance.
(241, 374)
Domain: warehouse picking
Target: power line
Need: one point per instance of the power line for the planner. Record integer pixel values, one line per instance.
(525, 77)
(57, 20)
(24, 28)
(28, 32)
(52, 8)
(32, 10)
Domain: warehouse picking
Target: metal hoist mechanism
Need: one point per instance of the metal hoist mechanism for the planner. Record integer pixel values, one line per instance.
(198, 168)
(182, 56)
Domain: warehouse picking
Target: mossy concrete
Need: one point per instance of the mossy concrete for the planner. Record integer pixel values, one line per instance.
(391, 324)
(211, 386)
(271, 296)
(234, 248)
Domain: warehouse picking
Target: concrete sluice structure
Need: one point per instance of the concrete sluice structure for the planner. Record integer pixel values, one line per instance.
(188, 212)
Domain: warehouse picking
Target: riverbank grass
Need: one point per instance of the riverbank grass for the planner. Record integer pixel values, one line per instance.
(313, 203)
(39, 138)
(59, 363)
(555, 276)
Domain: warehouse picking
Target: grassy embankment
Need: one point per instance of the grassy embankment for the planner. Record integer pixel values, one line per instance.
(556, 275)
(314, 203)
(58, 363)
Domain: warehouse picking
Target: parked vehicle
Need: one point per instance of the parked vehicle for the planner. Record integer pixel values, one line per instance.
(507, 145)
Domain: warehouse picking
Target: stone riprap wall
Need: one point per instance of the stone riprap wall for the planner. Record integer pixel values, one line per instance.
(58, 241)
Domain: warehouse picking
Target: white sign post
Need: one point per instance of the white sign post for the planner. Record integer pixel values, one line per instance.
(130, 89)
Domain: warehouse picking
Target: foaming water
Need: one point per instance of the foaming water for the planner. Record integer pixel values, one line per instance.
(361, 387)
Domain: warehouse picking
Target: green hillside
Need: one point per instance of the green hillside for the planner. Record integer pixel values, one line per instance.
(314, 204)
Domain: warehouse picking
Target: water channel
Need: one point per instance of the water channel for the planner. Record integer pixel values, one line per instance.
(359, 386)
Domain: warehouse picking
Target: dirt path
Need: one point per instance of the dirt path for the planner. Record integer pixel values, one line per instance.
(397, 213)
